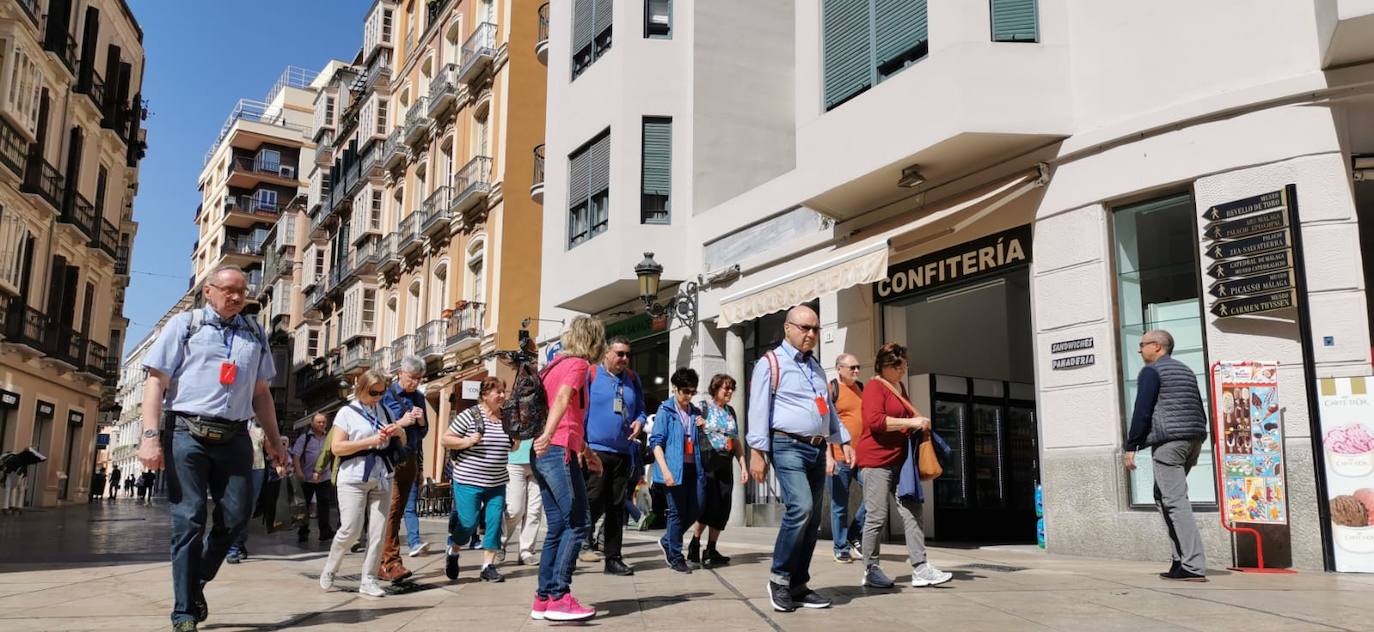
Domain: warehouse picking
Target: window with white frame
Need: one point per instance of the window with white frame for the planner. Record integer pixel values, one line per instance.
(476, 265)
(383, 107)
(24, 90)
(268, 160)
(374, 220)
(265, 200)
(369, 311)
(438, 288)
(13, 235)
(312, 343)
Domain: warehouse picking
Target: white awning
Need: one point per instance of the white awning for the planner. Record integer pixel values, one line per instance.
(854, 264)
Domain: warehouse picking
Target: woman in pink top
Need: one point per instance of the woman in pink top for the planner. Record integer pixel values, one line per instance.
(559, 474)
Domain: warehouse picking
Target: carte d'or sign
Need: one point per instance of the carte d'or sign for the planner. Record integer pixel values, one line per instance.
(965, 262)
(1251, 243)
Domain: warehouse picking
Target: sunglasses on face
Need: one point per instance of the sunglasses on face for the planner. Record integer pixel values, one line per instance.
(810, 329)
(376, 393)
(851, 368)
(622, 354)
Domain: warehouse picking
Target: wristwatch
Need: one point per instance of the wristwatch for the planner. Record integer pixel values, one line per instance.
(150, 434)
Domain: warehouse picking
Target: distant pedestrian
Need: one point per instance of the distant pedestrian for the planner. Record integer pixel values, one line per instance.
(141, 486)
(365, 438)
(848, 393)
(479, 447)
(213, 368)
(115, 481)
(314, 465)
(721, 453)
(129, 486)
(561, 486)
(793, 420)
(886, 455)
(98, 485)
(239, 551)
(676, 441)
(12, 490)
(1169, 419)
(149, 482)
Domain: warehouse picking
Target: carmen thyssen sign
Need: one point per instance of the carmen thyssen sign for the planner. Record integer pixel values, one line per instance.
(964, 262)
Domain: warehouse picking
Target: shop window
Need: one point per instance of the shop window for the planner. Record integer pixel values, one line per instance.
(867, 41)
(658, 19)
(656, 170)
(1158, 287)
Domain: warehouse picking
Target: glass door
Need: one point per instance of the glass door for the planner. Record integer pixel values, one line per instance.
(987, 455)
(950, 420)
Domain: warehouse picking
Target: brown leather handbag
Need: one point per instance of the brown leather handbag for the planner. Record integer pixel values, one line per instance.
(927, 464)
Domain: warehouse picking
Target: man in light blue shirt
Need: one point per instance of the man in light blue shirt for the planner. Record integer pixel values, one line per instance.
(208, 374)
(791, 426)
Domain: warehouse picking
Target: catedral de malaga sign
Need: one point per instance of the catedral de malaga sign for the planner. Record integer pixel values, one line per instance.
(1252, 242)
(965, 262)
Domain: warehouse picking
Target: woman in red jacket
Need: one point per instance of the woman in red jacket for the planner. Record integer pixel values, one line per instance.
(885, 446)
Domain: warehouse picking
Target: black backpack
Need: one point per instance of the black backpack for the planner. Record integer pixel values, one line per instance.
(527, 408)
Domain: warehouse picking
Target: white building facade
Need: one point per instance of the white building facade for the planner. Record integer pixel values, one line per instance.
(1014, 189)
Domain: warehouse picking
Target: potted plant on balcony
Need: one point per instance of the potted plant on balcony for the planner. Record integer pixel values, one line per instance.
(446, 313)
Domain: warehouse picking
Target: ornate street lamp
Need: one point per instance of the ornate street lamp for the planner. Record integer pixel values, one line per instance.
(682, 306)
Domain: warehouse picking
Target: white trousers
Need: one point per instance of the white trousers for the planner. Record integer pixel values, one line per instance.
(524, 509)
(355, 500)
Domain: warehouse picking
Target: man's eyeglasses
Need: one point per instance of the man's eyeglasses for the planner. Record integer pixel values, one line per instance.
(622, 354)
(239, 292)
(809, 329)
(1147, 342)
(852, 367)
(687, 391)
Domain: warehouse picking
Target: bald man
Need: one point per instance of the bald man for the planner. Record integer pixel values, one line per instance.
(792, 418)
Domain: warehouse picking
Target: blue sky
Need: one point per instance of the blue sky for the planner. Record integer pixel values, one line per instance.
(202, 56)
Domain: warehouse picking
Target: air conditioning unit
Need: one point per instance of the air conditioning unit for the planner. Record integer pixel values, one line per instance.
(288, 172)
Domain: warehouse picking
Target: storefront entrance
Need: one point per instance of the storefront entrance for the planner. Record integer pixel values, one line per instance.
(971, 370)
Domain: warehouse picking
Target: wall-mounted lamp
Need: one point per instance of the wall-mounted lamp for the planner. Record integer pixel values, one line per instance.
(682, 306)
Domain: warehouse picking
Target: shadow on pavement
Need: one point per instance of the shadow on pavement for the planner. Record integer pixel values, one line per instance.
(622, 607)
(328, 618)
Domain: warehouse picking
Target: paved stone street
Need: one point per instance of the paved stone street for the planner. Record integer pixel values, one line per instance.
(104, 567)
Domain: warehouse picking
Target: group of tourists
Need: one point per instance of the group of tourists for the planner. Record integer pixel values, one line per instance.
(138, 486)
(208, 410)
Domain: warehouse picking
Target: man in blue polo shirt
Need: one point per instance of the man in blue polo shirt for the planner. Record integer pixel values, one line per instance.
(615, 412)
(209, 372)
(404, 399)
(791, 419)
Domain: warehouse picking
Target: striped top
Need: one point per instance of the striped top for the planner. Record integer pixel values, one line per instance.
(483, 464)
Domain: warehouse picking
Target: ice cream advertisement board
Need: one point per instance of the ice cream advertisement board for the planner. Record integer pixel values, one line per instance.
(1347, 423)
(1250, 432)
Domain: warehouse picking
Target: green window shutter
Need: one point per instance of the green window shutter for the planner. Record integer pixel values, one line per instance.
(1014, 21)
(583, 24)
(899, 26)
(658, 156)
(599, 165)
(577, 177)
(847, 53)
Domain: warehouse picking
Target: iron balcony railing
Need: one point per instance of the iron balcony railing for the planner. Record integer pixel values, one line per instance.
(408, 232)
(81, 214)
(122, 260)
(435, 209)
(386, 256)
(417, 119)
(109, 238)
(250, 204)
(378, 72)
(30, 8)
(256, 112)
(394, 149)
(381, 358)
(95, 358)
(478, 51)
(471, 183)
(241, 245)
(358, 354)
(67, 345)
(64, 48)
(432, 340)
(93, 87)
(543, 35)
(538, 177)
(14, 150)
(443, 89)
(400, 348)
(44, 180)
(250, 164)
(466, 323)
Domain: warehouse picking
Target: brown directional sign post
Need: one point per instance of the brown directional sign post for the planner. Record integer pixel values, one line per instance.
(1253, 304)
(1252, 246)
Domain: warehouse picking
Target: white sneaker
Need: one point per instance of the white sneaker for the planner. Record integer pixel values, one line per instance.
(419, 550)
(929, 576)
(528, 559)
(370, 588)
(327, 580)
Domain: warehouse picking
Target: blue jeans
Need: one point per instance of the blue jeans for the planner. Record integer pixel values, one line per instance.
(684, 507)
(564, 495)
(469, 502)
(842, 529)
(258, 477)
(412, 520)
(225, 471)
(800, 470)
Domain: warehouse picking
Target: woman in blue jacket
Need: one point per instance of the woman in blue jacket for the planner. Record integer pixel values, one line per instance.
(674, 441)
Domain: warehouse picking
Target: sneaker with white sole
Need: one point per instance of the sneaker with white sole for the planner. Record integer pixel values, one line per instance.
(327, 580)
(419, 550)
(566, 608)
(371, 588)
(541, 606)
(874, 577)
(928, 575)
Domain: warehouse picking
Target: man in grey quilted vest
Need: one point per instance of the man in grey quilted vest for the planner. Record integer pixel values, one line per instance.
(1169, 419)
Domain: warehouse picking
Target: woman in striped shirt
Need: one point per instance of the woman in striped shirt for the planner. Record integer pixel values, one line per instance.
(479, 448)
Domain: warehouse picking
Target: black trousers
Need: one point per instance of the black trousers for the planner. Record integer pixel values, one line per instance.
(606, 497)
(323, 492)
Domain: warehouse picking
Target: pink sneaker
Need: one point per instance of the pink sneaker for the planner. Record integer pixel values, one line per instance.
(566, 608)
(541, 605)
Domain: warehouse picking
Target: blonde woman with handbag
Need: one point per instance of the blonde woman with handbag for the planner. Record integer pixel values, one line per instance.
(892, 432)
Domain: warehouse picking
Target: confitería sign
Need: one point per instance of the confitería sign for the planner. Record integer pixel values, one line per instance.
(965, 262)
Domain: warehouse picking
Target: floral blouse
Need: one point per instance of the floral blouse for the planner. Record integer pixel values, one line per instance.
(721, 431)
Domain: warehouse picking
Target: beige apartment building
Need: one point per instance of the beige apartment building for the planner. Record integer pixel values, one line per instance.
(71, 112)
(425, 189)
